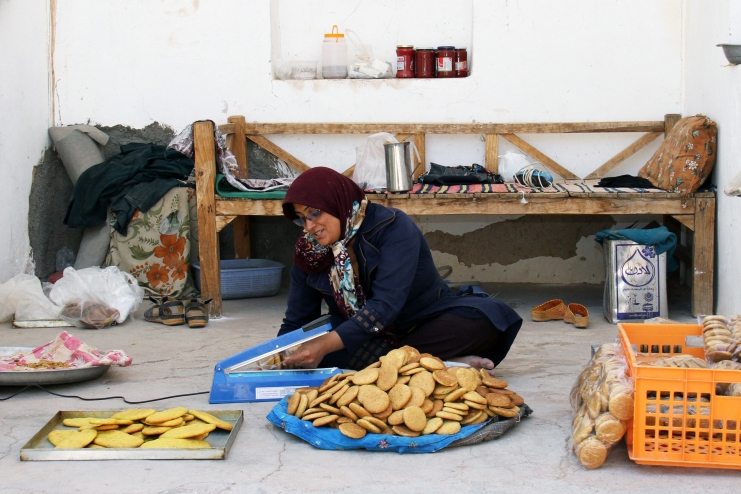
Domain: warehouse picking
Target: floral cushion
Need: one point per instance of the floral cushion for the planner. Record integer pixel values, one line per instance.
(686, 157)
(160, 245)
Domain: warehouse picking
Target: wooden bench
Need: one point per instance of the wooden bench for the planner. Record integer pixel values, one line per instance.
(696, 212)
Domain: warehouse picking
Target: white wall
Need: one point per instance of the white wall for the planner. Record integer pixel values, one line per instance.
(24, 118)
(134, 62)
(714, 89)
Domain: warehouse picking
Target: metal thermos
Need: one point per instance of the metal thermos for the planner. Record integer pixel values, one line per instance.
(399, 166)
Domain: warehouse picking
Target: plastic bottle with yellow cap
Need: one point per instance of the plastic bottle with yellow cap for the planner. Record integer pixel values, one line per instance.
(334, 55)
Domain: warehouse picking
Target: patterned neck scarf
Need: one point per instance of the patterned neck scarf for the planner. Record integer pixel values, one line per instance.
(346, 288)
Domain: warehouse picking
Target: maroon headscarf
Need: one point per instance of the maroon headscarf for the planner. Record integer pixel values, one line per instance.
(329, 191)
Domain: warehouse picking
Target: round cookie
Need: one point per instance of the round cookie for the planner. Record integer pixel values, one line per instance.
(414, 418)
(387, 376)
(365, 376)
(433, 425)
(506, 412)
(134, 414)
(167, 415)
(449, 427)
(348, 396)
(444, 378)
(368, 426)
(396, 418)
(322, 421)
(431, 364)
(77, 440)
(117, 439)
(373, 398)
(424, 381)
(397, 358)
(493, 382)
(210, 419)
(352, 430)
(293, 402)
(467, 379)
(187, 431)
(449, 416)
(404, 431)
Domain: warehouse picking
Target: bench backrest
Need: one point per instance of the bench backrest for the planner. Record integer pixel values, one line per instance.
(404, 131)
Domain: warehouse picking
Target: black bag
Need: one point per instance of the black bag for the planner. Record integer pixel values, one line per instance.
(459, 175)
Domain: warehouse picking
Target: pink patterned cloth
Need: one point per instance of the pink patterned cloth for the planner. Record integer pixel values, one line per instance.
(64, 348)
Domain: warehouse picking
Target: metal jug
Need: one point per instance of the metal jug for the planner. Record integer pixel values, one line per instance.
(399, 166)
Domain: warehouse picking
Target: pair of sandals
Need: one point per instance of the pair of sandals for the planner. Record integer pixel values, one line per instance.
(575, 314)
(177, 312)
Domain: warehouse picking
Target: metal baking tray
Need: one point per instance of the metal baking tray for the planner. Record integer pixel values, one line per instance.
(41, 377)
(40, 449)
(41, 323)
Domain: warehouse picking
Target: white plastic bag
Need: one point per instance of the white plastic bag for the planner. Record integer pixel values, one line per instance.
(23, 297)
(365, 65)
(370, 167)
(510, 164)
(108, 288)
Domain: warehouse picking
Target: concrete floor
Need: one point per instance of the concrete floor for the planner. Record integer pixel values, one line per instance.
(535, 456)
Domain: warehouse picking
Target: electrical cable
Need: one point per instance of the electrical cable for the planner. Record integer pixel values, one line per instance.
(102, 398)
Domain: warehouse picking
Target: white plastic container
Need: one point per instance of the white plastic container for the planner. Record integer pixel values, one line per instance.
(334, 55)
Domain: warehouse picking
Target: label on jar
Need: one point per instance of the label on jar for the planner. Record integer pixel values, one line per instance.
(460, 65)
(400, 63)
(444, 64)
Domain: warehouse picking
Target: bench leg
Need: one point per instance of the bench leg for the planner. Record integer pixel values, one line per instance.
(703, 256)
(208, 239)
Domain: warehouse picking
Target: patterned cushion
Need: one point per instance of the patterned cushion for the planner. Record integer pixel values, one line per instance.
(686, 157)
(160, 245)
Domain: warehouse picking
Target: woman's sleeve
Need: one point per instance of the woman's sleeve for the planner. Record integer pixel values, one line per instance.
(399, 256)
(304, 302)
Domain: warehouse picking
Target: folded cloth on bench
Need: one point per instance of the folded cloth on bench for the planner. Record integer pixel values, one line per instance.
(419, 188)
(591, 186)
(225, 189)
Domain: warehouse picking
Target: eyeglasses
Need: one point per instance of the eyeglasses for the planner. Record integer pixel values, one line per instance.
(312, 216)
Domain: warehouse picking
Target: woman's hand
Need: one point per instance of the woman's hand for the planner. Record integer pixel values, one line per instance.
(312, 352)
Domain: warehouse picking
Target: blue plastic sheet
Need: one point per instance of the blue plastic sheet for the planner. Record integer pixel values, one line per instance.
(328, 438)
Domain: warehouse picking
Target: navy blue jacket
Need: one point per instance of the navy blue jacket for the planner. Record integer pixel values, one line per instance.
(402, 286)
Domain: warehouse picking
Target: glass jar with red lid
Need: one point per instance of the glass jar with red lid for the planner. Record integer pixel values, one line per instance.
(461, 62)
(404, 61)
(445, 59)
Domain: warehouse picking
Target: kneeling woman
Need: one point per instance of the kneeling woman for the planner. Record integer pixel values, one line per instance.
(373, 268)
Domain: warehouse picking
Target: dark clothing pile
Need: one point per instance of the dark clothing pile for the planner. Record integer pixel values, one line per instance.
(136, 178)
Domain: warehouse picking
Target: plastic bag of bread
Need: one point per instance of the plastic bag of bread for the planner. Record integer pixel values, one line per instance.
(602, 400)
(729, 388)
(684, 361)
(718, 336)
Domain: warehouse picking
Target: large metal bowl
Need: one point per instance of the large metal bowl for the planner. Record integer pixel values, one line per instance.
(732, 52)
(53, 376)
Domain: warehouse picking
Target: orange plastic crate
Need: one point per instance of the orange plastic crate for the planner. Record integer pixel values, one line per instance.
(679, 420)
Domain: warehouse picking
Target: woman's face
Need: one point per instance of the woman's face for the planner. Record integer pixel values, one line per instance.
(321, 225)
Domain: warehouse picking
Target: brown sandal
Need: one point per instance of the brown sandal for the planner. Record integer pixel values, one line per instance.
(196, 314)
(168, 312)
(553, 309)
(577, 314)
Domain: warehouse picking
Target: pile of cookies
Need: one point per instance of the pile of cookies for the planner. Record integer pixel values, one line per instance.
(722, 337)
(602, 400)
(139, 428)
(405, 393)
